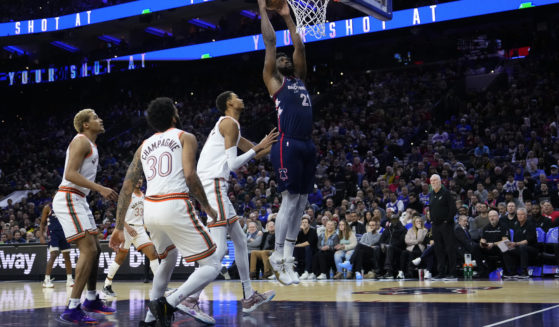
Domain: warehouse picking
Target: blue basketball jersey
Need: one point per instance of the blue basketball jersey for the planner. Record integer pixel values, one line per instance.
(293, 105)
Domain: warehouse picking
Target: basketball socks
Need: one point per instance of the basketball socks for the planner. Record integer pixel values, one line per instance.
(153, 265)
(241, 258)
(297, 203)
(289, 246)
(73, 303)
(247, 289)
(68, 277)
(91, 295)
(208, 270)
(113, 268)
(288, 207)
(163, 275)
(47, 278)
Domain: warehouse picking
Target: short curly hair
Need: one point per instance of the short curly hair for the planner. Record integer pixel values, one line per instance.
(82, 117)
(160, 113)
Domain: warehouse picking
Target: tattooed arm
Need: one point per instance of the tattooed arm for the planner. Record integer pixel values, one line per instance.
(133, 175)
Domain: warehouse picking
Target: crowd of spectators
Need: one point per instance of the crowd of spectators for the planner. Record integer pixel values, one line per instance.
(380, 135)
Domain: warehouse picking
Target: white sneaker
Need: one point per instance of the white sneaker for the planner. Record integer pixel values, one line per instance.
(304, 276)
(358, 276)
(272, 277)
(278, 266)
(321, 277)
(190, 307)
(400, 275)
(416, 261)
(290, 270)
(427, 274)
(70, 282)
(48, 284)
(312, 276)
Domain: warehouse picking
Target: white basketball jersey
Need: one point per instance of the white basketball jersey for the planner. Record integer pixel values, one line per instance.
(135, 212)
(161, 156)
(88, 168)
(213, 161)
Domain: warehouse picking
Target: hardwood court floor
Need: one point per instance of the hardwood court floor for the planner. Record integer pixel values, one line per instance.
(317, 303)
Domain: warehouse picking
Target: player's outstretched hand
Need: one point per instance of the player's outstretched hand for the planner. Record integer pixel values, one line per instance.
(267, 141)
(117, 238)
(108, 193)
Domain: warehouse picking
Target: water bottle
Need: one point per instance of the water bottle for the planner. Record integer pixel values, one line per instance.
(470, 271)
(465, 271)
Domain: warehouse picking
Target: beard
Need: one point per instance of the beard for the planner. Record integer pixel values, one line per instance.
(287, 71)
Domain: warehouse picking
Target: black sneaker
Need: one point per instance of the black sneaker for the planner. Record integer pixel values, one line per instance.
(438, 277)
(147, 324)
(108, 290)
(450, 278)
(163, 311)
(389, 275)
(522, 276)
(556, 275)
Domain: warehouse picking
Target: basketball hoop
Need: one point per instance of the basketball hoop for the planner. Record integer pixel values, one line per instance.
(310, 16)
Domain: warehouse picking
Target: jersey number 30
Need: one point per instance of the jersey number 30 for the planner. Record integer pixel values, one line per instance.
(161, 166)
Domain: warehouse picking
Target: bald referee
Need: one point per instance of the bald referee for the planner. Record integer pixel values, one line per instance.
(442, 209)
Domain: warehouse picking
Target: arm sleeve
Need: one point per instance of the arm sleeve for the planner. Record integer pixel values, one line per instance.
(235, 162)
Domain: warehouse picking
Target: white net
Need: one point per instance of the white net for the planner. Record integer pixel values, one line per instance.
(310, 16)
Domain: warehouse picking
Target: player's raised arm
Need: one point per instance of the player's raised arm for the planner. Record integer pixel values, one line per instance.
(189, 146)
(299, 58)
(230, 132)
(270, 73)
(79, 149)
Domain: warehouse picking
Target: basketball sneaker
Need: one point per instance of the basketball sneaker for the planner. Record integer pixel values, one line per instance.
(257, 299)
(47, 283)
(77, 316)
(191, 307)
(97, 306)
(278, 266)
(290, 269)
(108, 290)
(162, 311)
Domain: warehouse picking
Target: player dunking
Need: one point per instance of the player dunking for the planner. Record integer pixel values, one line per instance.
(134, 233)
(168, 161)
(71, 208)
(57, 244)
(293, 156)
(217, 159)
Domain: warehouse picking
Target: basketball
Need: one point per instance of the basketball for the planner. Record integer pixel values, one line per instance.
(274, 4)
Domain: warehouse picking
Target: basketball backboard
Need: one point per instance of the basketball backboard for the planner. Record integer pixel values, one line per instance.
(380, 9)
